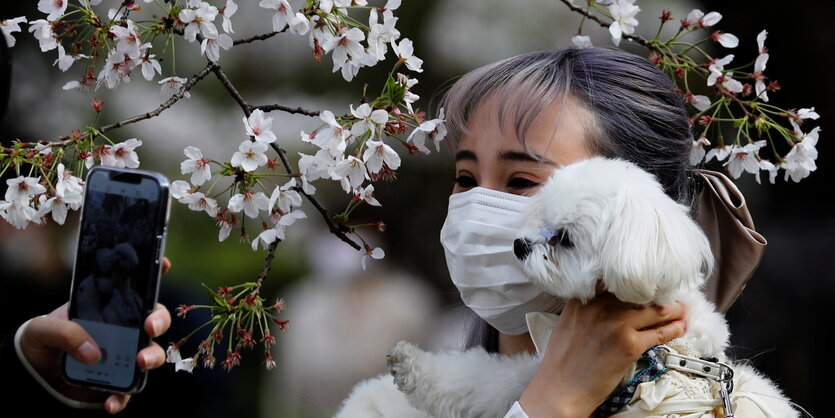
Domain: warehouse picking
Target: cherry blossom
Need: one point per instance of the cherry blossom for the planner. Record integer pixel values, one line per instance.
(44, 34)
(352, 171)
(800, 160)
(199, 20)
(250, 203)
(623, 13)
(198, 202)
(178, 189)
(116, 69)
(720, 152)
(581, 41)
(171, 86)
(331, 138)
(128, 40)
(768, 166)
(377, 254)
(796, 118)
(345, 45)
(434, 128)
(122, 154)
(22, 189)
(725, 39)
(227, 12)
(381, 34)
(58, 206)
(67, 185)
(367, 195)
(65, 61)
(408, 96)
(697, 18)
(285, 16)
(53, 8)
(9, 26)
(285, 197)
(211, 46)
(150, 66)
(378, 153)
(405, 51)
(759, 67)
(744, 159)
(368, 120)
(18, 214)
(718, 74)
(268, 236)
(697, 152)
(172, 355)
(196, 165)
(259, 127)
(250, 155)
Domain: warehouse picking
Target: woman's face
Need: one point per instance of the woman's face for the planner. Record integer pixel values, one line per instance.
(494, 158)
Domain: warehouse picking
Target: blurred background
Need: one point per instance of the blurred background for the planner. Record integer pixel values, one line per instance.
(343, 319)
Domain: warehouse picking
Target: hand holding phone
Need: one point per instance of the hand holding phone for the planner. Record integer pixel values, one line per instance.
(116, 273)
(48, 338)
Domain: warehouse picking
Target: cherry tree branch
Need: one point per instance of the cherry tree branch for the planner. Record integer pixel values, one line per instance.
(639, 39)
(168, 103)
(334, 228)
(257, 37)
(286, 109)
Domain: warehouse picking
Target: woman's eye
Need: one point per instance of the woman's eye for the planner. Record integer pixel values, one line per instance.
(520, 183)
(465, 182)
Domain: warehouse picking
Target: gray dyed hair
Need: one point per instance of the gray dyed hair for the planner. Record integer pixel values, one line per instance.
(635, 112)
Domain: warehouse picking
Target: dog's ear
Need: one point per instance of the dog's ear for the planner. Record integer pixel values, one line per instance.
(652, 246)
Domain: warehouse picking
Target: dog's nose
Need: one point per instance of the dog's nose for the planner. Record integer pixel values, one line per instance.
(521, 247)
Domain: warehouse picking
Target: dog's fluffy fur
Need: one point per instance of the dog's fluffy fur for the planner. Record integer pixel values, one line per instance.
(610, 221)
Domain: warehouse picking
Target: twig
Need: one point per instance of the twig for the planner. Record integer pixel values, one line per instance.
(297, 110)
(257, 37)
(639, 39)
(170, 102)
(268, 263)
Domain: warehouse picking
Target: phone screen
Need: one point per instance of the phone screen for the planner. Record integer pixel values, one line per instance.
(115, 274)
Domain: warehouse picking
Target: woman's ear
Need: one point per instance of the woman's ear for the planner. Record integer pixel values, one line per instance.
(652, 246)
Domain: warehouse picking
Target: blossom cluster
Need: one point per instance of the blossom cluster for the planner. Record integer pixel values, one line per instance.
(355, 148)
(238, 316)
(739, 100)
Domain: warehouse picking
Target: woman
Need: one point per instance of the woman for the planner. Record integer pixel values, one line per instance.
(510, 124)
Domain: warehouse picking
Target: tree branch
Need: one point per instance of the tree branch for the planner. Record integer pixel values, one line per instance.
(170, 102)
(296, 110)
(257, 37)
(639, 39)
(282, 154)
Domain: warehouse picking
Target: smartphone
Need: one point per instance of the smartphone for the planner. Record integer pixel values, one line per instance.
(116, 273)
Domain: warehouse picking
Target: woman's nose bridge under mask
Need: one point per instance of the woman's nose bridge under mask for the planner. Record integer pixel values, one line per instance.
(477, 237)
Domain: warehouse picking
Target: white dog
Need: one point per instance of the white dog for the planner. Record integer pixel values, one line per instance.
(599, 220)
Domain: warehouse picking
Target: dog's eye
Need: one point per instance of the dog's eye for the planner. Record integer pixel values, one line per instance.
(562, 238)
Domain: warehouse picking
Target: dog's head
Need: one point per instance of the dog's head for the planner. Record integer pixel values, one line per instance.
(608, 220)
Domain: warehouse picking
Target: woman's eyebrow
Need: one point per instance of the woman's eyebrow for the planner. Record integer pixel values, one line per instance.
(523, 156)
(465, 154)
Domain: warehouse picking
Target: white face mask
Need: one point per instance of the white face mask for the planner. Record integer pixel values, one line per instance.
(477, 236)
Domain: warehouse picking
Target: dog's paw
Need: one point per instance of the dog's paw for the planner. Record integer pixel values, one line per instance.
(402, 364)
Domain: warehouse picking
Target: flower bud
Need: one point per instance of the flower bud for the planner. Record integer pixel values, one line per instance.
(97, 105)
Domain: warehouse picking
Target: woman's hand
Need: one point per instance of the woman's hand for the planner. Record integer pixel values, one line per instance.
(47, 337)
(590, 350)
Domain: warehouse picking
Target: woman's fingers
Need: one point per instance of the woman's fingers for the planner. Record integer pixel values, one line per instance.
(166, 265)
(663, 334)
(158, 321)
(54, 333)
(116, 403)
(150, 357)
(654, 315)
